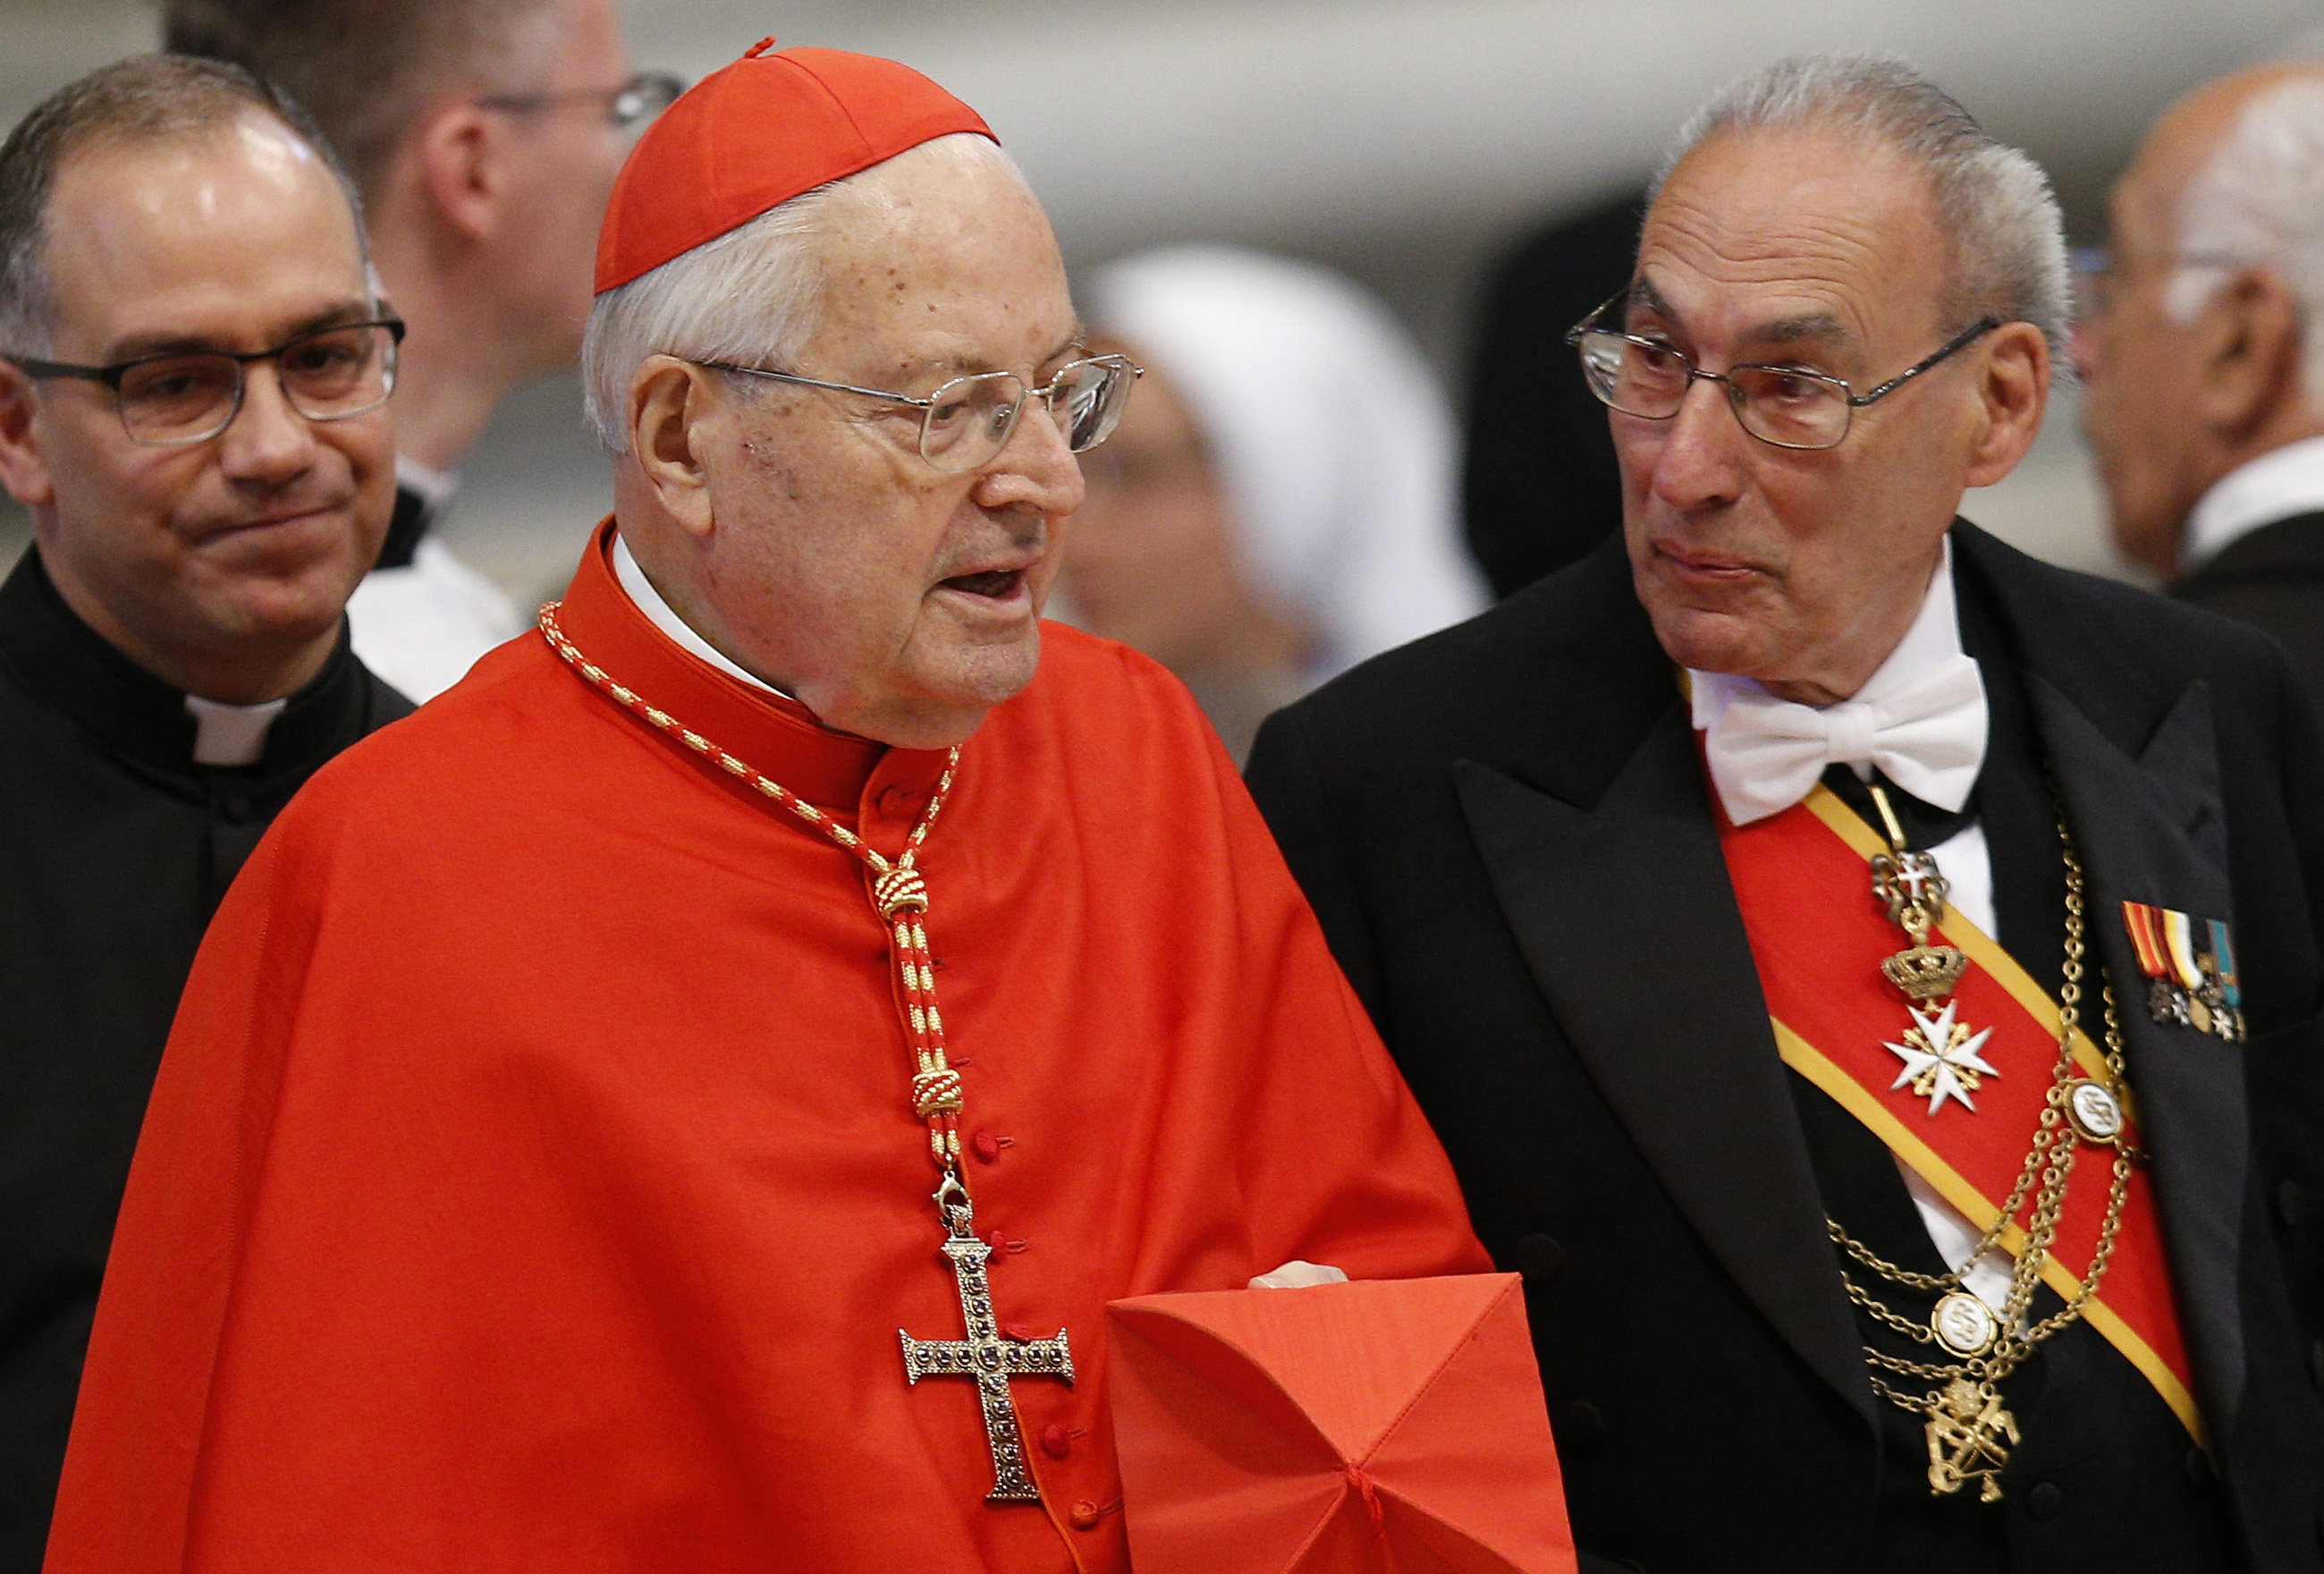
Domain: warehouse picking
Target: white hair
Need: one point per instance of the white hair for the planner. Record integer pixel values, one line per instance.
(752, 297)
(2259, 202)
(2007, 237)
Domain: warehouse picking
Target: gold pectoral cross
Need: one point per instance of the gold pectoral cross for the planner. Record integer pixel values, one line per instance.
(986, 1355)
(1969, 1439)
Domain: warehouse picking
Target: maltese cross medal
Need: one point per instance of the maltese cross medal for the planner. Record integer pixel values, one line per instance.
(1940, 1058)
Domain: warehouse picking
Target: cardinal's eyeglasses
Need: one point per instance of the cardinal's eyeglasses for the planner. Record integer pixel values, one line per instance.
(1788, 407)
(966, 422)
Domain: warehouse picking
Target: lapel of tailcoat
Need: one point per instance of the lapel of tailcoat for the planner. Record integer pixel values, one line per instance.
(1601, 850)
(2136, 763)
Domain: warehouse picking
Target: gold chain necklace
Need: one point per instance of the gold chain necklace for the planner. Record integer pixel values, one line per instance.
(1968, 1430)
(899, 894)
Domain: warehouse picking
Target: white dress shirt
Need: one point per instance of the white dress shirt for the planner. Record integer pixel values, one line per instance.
(2278, 485)
(1963, 859)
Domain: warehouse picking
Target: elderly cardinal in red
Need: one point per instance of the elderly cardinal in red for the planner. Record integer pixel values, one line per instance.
(683, 1100)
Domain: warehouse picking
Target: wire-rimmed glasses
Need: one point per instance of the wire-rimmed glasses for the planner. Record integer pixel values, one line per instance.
(182, 397)
(966, 422)
(627, 106)
(1788, 407)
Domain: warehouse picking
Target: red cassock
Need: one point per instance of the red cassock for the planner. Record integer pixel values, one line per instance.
(533, 1182)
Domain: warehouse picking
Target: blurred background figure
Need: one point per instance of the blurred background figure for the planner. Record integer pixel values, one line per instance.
(1539, 486)
(1278, 503)
(2203, 354)
(484, 136)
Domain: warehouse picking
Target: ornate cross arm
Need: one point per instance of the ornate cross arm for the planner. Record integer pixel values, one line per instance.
(986, 1355)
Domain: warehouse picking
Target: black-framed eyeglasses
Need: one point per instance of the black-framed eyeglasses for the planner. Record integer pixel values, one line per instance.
(1788, 407)
(188, 396)
(627, 107)
(966, 422)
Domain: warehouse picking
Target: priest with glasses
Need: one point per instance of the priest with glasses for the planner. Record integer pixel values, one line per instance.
(195, 377)
(1866, 980)
(686, 1097)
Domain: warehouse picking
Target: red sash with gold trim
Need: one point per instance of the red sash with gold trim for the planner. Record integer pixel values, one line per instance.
(1802, 880)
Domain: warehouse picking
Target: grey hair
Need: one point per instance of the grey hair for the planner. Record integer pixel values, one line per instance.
(2006, 234)
(753, 296)
(2259, 202)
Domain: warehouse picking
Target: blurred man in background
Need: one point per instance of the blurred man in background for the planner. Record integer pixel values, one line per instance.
(2204, 354)
(1279, 504)
(192, 406)
(484, 136)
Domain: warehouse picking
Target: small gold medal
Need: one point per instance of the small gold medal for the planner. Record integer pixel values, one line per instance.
(1969, 1439)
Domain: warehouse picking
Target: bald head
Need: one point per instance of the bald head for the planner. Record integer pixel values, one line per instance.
(2207, 350)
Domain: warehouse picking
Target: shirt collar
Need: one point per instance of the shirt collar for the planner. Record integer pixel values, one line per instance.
(1934, 637)
(231, 734)
(610, 625)
(2278, 485)
(664, 616)
(432, 486)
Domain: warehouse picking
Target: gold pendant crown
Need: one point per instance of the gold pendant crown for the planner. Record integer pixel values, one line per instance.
(1926, 972)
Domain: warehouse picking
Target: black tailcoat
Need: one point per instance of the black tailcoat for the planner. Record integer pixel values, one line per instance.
(2273, 579)
(115, 850)
(1508, 835)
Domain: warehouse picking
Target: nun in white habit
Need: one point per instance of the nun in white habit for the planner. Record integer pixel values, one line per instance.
(1279, 502)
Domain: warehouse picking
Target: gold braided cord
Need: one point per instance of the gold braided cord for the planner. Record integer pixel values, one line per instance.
(899, 895)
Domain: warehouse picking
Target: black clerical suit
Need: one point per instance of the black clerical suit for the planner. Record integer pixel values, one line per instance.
(2273, 579)
(1508, 834)
(118, 849)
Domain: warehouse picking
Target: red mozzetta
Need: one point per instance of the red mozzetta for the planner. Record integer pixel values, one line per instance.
(532, 1180)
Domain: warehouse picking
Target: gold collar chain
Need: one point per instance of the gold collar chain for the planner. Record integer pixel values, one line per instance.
(1970, 1432)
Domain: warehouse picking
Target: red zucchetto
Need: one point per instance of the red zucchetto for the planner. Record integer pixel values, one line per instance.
(754, 136)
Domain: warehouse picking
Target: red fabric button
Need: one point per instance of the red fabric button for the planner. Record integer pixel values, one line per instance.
(1085, 1515)
(895, 800)
(1024, 1333)
(1056, 1440)
(997, 1242)
(985, 1146)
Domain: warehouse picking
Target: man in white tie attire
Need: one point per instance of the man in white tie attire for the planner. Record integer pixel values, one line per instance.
(1866, 980)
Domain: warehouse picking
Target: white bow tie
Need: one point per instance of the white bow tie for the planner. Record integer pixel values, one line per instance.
(1927, 735)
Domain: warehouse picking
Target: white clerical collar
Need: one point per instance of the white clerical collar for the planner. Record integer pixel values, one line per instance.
(1934, 637)
(2278, 485)
(665, 617)
(231, 734)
